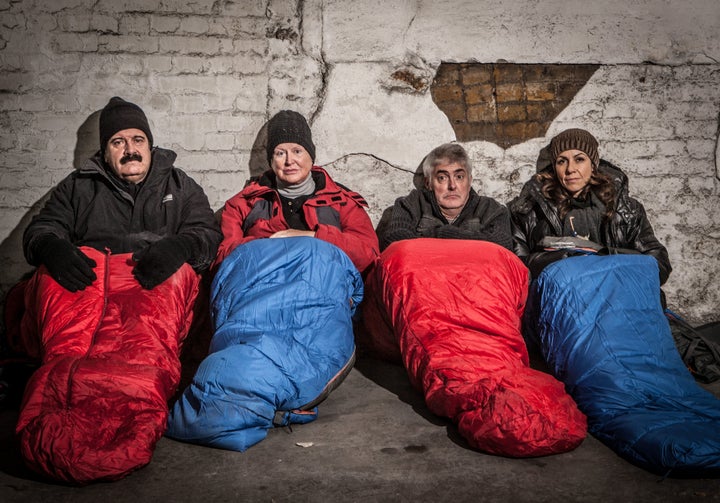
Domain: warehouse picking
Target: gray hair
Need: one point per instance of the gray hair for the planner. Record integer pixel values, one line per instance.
(447, 153)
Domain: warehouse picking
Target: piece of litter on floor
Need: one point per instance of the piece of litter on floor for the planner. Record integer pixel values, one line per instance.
(304, 444)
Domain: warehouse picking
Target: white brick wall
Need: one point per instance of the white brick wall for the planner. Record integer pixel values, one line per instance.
(209, 74)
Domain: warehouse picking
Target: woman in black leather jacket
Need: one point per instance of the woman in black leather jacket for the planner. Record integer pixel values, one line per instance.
(580, 203)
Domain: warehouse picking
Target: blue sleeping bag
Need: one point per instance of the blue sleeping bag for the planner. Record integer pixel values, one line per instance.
(282, 312)
(602, 330)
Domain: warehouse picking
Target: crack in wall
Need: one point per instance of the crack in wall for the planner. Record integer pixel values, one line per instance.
(324, 67)
(717, 151)
(714, 60)
(412, 20)
(372, 156)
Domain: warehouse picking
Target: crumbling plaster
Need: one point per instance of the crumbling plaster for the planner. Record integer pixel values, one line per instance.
(650, 119)
(209, 74)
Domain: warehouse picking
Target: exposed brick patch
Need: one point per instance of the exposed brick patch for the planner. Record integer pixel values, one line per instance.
(505, 103)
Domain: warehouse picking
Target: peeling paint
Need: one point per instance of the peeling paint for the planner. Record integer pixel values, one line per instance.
(506, 103)
(221, 69)
(416, 82)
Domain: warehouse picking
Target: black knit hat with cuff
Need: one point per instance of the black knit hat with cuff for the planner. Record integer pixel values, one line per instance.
(288, 126)
(119, 114)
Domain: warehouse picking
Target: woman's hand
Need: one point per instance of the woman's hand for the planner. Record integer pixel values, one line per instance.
(291, 233)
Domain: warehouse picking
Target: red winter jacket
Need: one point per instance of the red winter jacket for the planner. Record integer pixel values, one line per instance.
(336, 214)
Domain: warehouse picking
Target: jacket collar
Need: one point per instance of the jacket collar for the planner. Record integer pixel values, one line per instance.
(470, 204)
(266, 182)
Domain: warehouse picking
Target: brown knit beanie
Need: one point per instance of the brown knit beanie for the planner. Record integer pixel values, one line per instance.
(119, 114)
(288, 126)
(575, 139)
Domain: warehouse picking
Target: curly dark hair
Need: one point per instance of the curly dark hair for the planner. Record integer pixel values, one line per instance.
(600, 183)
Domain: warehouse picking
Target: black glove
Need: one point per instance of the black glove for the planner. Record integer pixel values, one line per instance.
(539, 260)
(159, 260)
(70, 267)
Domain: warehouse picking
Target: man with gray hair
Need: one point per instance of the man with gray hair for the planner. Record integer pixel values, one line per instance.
(451, 310)
(447, 206)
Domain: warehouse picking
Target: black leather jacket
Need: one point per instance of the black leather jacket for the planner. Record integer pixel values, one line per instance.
(629, 231)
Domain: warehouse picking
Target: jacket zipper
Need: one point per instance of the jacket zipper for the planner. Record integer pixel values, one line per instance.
(73, 368)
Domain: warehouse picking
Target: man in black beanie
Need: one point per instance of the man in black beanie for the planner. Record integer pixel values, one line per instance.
(119, 247)
(119, 114)
(128, 197)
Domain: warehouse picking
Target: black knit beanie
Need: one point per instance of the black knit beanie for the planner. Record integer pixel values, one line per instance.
(288, 126)
(119, 114)
(575, 139)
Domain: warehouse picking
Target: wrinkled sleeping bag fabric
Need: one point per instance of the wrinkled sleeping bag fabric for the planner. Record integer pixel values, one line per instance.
(97, 405)
(282, 311)
(602, 330)
(451, 310)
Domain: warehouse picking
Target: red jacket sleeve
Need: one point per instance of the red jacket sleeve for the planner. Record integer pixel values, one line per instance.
(357, 237)
(231, 220)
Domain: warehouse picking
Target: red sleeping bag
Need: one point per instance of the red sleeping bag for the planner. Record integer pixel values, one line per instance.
(453, 310)
(97, 405)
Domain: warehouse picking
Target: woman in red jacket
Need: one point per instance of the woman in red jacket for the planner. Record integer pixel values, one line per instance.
(296, 198)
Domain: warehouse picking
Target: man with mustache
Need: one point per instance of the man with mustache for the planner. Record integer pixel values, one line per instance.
(127, 198)
(119, 247)
(447, 206)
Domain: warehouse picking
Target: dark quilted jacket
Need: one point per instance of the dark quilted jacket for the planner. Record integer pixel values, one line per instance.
(90, 208)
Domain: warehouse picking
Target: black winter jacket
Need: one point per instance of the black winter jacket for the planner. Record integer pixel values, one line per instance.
(629, 231)
(91, 208)
(418, 215)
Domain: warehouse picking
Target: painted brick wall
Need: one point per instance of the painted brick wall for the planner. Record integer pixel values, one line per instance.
(379, 95)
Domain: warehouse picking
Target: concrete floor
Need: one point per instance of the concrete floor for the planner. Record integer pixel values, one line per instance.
(374, 441)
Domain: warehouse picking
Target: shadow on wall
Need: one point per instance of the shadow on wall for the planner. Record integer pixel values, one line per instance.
(11, 249)
(88, 139)
(87, 144)
(257, 164)
(418, 183)
(258, 157)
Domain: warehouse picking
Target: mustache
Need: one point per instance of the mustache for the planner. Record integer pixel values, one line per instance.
(131, 157)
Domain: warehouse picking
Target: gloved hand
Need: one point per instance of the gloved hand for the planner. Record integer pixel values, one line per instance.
(539, 260)
(69, 266)
(159, 260)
